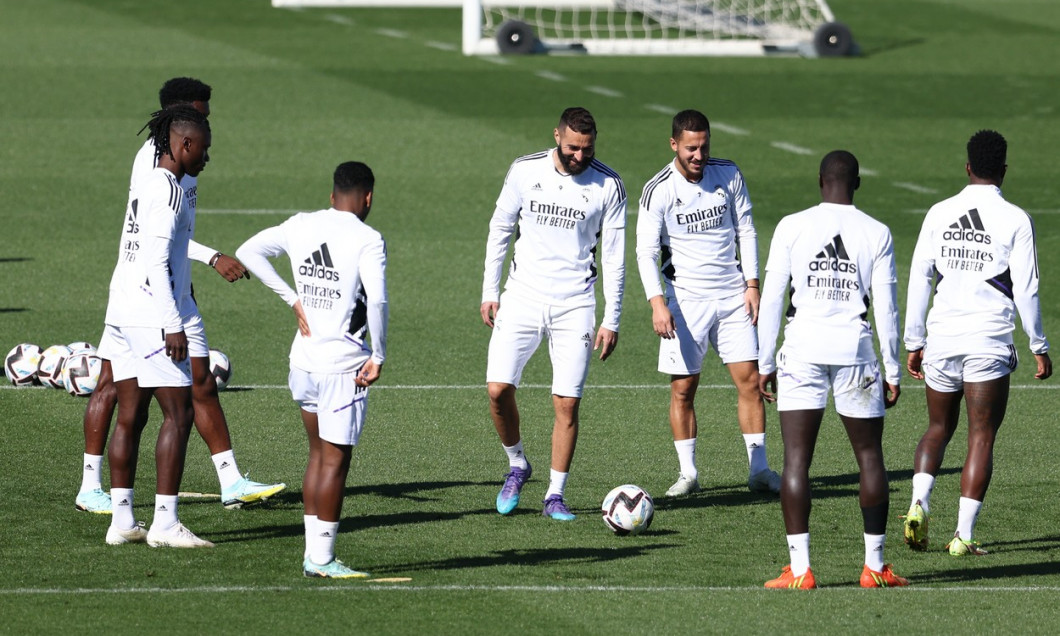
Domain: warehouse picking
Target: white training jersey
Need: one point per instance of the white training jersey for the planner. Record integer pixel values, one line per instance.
(691, 231)
(979, 251)
(559, 220)
(339, 268)
(836, 258)
(143, 164)
(151, 275)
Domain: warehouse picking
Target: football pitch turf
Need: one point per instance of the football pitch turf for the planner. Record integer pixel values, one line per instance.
(297, 92)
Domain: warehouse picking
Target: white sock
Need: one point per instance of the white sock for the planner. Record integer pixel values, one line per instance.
(227, 469)
(516, 458)
(756, 452)
(686, 456)
(967, 515)
(310, 522)
(165, 512)
(557, 483)
(799, 551)
(874, 551)
(121, 506)
(322, 542)
(923, 484)
(91, 477)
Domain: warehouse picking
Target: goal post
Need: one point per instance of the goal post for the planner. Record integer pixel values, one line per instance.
(654, 27)
(636, 27)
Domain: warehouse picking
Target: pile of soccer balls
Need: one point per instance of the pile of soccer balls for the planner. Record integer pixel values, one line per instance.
(75, 367)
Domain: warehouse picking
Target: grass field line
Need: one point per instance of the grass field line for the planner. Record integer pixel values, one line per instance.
(547, 589)
(591, 387)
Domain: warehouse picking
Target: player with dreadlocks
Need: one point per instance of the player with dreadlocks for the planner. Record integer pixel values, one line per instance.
(144, 337)
(210, 421)
(979, 251)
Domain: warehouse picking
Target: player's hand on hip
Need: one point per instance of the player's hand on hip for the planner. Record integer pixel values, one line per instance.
(1045, 366)
(767, 386)
(303, 322)
(662, 321)
(177, 346)
(606, 341)
(489, 311)
(368, 374)
(230, 268)
(914, 362)
(891, 398)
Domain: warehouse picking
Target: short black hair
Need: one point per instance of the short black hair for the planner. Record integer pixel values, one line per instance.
(162, 121)
(690, 120)
(183, 90)
(987, 152)
(579, 120)
(354, 175)
(840, 166)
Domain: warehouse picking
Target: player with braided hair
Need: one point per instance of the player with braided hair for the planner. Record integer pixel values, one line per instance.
(144, 337)
(210, 421)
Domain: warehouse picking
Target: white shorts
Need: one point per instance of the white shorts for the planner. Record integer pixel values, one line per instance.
(858, 389)
(948, 375)
(140, 352)
(196, 333)
(721, 324)
(340, 405)
(520, 325)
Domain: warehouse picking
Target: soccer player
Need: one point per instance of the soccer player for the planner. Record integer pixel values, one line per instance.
(979, 250)
(836, 258)
(236, 489)
(144, 339)
(695, 212)
(563, 205)
(339, 268)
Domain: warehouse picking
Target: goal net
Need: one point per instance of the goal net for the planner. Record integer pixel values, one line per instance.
(652, 27)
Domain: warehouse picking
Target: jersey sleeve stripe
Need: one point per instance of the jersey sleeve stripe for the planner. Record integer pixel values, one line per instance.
(174, 194)
(649, 189)
(602, 168)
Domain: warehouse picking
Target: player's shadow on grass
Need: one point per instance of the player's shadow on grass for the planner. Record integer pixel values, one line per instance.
(962, 574)
(542, 556)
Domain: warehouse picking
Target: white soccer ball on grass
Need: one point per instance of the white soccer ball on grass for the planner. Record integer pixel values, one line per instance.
(81, 373)
(20, 365)
(50, 367)
(221, 368)
(628, 509)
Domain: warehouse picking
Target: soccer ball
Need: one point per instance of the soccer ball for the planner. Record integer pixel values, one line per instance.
(50, 367)
(221, 368)
(81, 345)
(628, 509)
(20, 365)
(81, 373)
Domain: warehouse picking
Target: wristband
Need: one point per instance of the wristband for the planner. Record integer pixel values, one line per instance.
(214, 259)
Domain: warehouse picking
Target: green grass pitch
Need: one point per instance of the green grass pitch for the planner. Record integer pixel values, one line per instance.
(295, 93)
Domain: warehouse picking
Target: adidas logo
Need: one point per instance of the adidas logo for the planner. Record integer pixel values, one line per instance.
(325, 534)
(224, 465)
(162, 508)
(968, 227)
(679, 202)
(319, 265)
(536, 186)
(834, 258)
(123, 502)
(89, 467)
